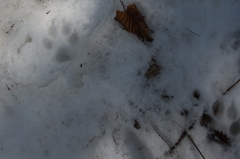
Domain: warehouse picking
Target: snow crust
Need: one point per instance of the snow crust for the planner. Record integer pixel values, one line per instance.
(73, 81)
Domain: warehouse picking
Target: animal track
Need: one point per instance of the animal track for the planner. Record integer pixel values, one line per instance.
(28, 40)
(47, 43)
(235, 127)
(218, 111)
(73, 39)
(53, 31)
(62, 55)
(236, 40)
(66, 29)
(136, 147)
(217, 108)
(232, 112)
(233, 40)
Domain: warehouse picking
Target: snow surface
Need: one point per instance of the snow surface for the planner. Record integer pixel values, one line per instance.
(73, 81)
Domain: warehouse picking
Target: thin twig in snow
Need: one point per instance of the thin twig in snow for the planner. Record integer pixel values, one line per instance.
(162, 138)
(178, 142)
(8, 87)
(191, 31)
(195, 145)
(231, 87)
(114, 139)
(92, 139)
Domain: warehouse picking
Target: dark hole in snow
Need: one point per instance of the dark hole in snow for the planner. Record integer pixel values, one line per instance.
(205, 120)
(217, 108)
(136, 124)
(184, 113)
(196, 94)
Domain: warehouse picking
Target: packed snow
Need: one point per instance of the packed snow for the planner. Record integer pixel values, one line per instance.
(75, 84)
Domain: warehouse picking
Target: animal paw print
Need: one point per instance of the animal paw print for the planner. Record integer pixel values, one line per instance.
(71, 38)
(232, 42)
(232, 114)
(63, 30)
(212, 121)
(47, 43)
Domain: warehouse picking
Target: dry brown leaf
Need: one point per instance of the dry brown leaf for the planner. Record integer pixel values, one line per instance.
(220, 136)
(133, 21)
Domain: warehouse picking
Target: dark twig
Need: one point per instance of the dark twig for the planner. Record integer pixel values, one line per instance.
(123, 6)
(114, 140)
(167, 96)
(178, 142)
(92, 139)
(195, 145)
(8, 87)
(231, 87)
(150, 30)
(162, 138)
(191, 31)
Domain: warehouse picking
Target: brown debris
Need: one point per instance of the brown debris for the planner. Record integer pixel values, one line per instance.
(205, 120)
(136, 124)
(196, 94)
(153, 70)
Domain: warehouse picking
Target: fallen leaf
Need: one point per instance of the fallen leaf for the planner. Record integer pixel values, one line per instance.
(220, 137)
(133, 21)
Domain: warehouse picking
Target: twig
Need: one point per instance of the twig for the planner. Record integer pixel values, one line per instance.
(92, 139)
(162, 138)
(123, 6)
(167, 96)
(114, 139)
(179, 140)
(195, 145)
(191, 31)
(231, 87)
(8, 87)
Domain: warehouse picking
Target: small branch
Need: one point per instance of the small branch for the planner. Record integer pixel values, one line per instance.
(195, 145)
(123, 6)
(231, 87)
(191, 31)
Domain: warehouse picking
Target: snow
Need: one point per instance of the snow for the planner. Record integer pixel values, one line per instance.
(73, 81)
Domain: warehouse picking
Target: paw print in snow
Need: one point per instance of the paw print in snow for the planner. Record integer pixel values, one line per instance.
(47, 43)
(235, 127)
